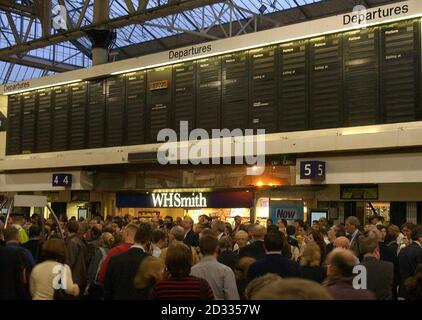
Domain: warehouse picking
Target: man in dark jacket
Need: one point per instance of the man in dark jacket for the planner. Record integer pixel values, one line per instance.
(34, 243)
(227, 256)
(122, 269)
(380, 274)
(352, 228)
(339, 282)
(274, 261)
(409, 258)
(15, 267)
(256, 248)
(77, 255)
(191, 237)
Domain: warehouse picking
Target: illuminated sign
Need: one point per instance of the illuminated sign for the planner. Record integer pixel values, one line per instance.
(176, 200)
(159, 85)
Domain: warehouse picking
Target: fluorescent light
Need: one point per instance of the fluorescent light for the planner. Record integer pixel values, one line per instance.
(42, 87)
(357, 131)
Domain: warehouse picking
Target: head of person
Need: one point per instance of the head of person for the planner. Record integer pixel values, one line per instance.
(107, 240)
(179, 260)
(374, 220)
(311, 256)
(384, 231)
(238, 220)
(218, 227)
(242, 238)
(228, 230)
(301, 231)
(417, 234)
(291, 230)
(273, 241)
(95, 232)
(158, 238)
(129, 233)
(168, 219)
(269, 222)
(187, 224)
(259, 284)
(332, 233)
(225, 244)
(207, 232)
(54, 250)
(177, 234)
(392, 233)
(352, 224)
(317, 237)
(72, 227)
(150, 271)
(322, 222)
(208, 245)
(143, 235)
(407, 229)
(34, 231)
(258, 232)
(369, 244)
(282, 224)
(340, 264)
(342, 243)
(11, 234)
(290, 289)
(242, 267)
(299, 223)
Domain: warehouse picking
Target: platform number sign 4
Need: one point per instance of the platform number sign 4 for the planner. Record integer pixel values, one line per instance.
(312, 170)
(62, 180)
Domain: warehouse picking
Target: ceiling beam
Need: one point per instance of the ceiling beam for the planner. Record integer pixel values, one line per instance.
(12, 6)
(134, 18)
(41, 63)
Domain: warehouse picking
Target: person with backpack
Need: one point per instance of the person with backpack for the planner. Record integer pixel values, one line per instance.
(94, 290)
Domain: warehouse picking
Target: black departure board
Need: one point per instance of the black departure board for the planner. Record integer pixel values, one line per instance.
(184, 94)
(78, 118)
(400, 71)
(361, 77)
(135, 108)
(60, 118)
(14, 125)
(44, 121)
(208, 103)
(235, 97)
(263, 89)
(294, 102)
(326, 77)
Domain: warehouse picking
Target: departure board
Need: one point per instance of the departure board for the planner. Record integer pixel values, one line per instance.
(294, 103)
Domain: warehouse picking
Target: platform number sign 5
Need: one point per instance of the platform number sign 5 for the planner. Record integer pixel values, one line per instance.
(62, 180)
(312, 170)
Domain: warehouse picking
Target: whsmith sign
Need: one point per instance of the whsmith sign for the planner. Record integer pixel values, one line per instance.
(186, 200)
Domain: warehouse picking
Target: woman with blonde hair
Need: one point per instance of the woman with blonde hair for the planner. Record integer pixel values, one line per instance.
(310, 262)
(150, 271)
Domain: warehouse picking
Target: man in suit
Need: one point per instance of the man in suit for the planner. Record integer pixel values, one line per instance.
(409, 258)
(34, 244)
(122, 269)
(191, 238)
(380, 274)
(352, 228)
(274, 261)
(77, 254)
(256, 248)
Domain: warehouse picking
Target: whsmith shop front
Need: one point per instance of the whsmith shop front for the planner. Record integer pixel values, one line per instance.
(224, 205)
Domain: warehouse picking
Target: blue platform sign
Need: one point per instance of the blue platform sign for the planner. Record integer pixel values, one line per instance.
(286, 212)
(312, 170)
(62, 180)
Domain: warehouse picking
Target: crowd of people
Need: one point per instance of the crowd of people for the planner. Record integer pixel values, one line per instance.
(124, 258)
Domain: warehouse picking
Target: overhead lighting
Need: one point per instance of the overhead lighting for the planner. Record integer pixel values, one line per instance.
(42, 87)
(358, 131)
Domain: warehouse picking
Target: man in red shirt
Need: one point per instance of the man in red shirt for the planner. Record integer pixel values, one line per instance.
(129, 239)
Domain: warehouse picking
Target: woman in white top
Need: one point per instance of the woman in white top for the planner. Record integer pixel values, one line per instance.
(53, 273)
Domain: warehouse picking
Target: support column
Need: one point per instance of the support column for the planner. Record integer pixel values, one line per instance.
(411, 212)
(101, 39)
